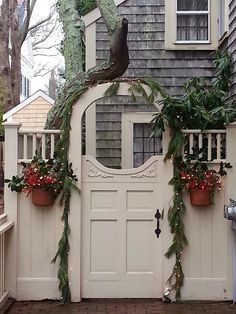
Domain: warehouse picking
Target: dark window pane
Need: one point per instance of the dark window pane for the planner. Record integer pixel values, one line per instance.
(146, 157)
(192, 27)
(138, 145)
(21, 87)
(25, 86)
(143, 146)
(28, 88)
(138, 159)
(192, 5)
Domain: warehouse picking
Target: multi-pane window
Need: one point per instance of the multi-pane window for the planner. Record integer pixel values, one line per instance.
(223, 17)
(25, 86)
(192, 20)
(143, 146)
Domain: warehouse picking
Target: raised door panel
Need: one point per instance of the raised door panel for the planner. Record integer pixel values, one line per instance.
(121, 254)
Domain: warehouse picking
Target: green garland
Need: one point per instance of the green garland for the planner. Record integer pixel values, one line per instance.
(198, 105)
(66, 172)
(175, 217)
(68, 178)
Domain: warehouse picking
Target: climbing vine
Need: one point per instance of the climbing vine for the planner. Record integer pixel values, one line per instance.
(66, 173)
(200, 107)
(175, 217)
(68, 180)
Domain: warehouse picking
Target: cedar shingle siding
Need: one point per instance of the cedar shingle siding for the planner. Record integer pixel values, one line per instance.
(148, 58)
(232, 44)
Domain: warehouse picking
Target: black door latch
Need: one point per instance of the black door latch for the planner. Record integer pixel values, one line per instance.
(158, 230)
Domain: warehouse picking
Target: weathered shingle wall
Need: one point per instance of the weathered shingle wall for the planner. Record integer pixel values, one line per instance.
(148, 58)
(232, 44)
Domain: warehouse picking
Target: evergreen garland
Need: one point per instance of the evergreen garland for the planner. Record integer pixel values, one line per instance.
(68, 180)
(175, 217)
(66, 176)
(200, 107)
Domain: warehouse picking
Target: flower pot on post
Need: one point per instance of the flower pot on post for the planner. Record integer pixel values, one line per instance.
(40, 178)
(42, 197)
(200, 197)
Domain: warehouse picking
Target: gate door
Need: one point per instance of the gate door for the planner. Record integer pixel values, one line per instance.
(121, 254)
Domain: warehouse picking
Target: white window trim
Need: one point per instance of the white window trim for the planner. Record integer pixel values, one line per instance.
(171, 42)
(128, 120)
(196, 13)
(225, 23)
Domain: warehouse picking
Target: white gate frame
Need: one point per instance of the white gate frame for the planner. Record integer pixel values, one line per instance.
(75, 219)
(193, 286)
(94, 93)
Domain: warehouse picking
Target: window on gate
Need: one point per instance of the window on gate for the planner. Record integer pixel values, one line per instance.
(143, 146)
(192, 20)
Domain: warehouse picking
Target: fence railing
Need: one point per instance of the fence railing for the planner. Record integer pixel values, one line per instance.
(40, 142)
(4, 227)
(212, 142)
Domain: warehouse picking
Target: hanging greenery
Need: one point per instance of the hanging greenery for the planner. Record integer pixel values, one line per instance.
(175, 217)
(68, 180)
(66, 175)
(200, 107)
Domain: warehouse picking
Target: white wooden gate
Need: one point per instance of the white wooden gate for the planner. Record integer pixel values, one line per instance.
(122, 256)
(114, 251)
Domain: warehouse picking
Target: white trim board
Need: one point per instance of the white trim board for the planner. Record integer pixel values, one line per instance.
(27, 101)
(95, 14)
(127, 121)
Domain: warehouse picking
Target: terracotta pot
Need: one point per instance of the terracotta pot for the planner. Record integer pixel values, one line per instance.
(42, 198)
(200, 197)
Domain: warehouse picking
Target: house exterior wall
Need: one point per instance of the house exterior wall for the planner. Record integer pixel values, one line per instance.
(232, 45)
(148, 58)
(146, 41)
(27, 64)
(33, 116)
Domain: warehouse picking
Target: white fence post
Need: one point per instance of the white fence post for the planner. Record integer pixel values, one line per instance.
(230, 156)
(231, 193)
(10, 206)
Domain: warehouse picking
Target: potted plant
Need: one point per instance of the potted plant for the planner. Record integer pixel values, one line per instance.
(198, 179)
(201, 182)
(40, 179)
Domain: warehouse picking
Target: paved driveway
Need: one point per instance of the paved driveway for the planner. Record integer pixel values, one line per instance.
(123, 306)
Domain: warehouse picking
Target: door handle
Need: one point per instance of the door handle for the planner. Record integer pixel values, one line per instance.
(158, 230)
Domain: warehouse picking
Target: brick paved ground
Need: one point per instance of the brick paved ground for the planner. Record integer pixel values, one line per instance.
(124, 306)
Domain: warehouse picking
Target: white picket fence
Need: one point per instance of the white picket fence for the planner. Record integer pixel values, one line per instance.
(40, 142)
(22, 145)
(43, 142)
(4, 227)
(213, 143)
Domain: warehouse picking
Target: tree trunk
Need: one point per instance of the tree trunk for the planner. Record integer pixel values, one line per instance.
(15, 57)
(73, 28)
(5, 70)
(12, 36)
(115, 67)
(10, 55)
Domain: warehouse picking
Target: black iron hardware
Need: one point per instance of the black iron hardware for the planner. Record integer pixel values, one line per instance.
(158, 230)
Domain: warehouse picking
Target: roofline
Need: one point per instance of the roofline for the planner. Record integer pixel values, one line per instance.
(95, 14)
(27, 101)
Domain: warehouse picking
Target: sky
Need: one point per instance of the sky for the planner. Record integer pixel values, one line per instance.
(46, 58)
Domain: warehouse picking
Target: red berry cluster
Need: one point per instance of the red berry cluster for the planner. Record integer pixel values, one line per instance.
(195, 179)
